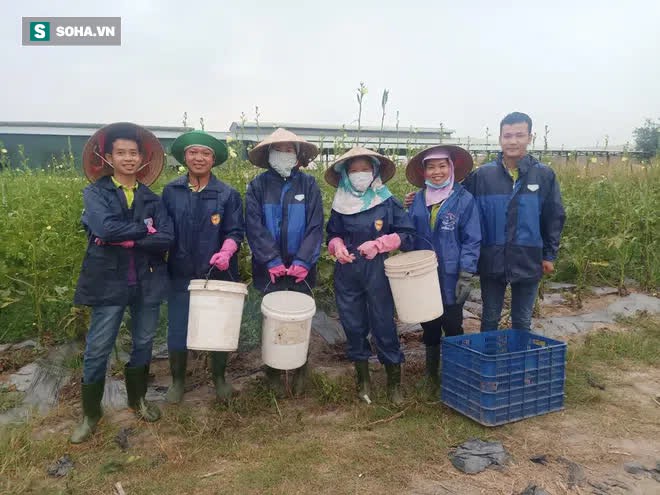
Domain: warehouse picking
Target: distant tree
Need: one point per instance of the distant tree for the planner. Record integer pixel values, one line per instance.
(647, 138)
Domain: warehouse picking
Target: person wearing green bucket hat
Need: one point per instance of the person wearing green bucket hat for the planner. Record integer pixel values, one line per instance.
(128, 234)
(208, 230)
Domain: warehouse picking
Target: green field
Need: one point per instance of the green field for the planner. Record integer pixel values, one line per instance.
(611, 235)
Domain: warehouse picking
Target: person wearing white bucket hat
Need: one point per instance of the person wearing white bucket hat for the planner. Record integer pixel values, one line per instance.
(209, 228)
(446, 217)
(365, 224)
(128, 233)
(284, 225)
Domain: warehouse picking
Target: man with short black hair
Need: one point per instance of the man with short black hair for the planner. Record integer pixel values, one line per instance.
(128, 234)
(522, 217)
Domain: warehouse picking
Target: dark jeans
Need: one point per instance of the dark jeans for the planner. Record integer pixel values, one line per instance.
(103, 331)
(523, 295)
(451, 322)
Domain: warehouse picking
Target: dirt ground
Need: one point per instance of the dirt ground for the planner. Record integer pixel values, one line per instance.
(584, 446)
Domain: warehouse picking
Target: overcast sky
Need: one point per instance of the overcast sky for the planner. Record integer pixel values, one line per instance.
(586, 68)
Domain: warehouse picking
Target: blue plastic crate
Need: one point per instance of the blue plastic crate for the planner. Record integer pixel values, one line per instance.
(503, 376)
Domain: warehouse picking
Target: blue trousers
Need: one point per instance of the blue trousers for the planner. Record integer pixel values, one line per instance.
(103, 331)
(365, 304)
(178, 306)
(523, 295)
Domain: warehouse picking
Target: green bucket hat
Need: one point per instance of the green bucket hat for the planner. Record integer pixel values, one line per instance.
(199, 138)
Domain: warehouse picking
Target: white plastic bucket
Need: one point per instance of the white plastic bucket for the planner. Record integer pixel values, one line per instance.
(214, 318)
(415, 286)
(286, 329)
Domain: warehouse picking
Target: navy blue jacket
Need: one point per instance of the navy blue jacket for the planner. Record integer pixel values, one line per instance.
(389, 217)
(284, 223)
(103, 278)
(202, 222)
(456, 236)
(521, 223)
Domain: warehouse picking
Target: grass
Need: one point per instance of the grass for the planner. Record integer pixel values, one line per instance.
(589, 362)
(325, 443)
(611, 235)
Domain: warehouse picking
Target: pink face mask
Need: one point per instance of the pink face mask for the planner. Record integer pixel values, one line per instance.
(435, 194)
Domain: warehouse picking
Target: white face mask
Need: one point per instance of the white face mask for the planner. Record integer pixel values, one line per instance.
(361, 180)
(282, 162)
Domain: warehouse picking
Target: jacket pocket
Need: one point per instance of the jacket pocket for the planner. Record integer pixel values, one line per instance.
(528, 223)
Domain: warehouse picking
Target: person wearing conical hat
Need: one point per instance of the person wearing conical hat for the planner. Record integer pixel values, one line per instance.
(284, 225)
(446, 217)
(365, 224)
(208, 230)
(128, 235)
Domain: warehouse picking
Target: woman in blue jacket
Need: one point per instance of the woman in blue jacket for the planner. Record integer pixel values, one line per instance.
(445, 216)
(284, 225)
(367, 222)
(208, 230)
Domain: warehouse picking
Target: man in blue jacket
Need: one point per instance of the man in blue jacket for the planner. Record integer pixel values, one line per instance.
(284, 224)
(522, 217)
(128, 234)
(208, 230)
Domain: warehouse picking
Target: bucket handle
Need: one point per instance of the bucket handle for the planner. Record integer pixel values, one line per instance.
(308, 286)
(415, 234)
(208, 274)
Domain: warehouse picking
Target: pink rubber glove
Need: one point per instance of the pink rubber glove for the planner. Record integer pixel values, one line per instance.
(298, 271)
(368, 249)
(221, 259)
(276, 271)
(124, 244)
(337, 248)
(384, 244)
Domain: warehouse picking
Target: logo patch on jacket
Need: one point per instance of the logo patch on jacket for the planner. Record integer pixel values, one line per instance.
(533, 187)
(378, 224)
(448, 221)
(215, 218)
(299, 197)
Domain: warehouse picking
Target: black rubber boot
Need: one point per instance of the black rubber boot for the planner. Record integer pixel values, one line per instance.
(433, 369)
(274, 378)
(223, 389)
(363, 381)
(300, 380)
(136, 390)
(394, 384)
(92, 394)
(178, 363)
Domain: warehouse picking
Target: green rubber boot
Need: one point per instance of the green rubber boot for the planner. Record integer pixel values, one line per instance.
(274, 379)
(178, 363)
(300, 380)
(394, 383)
(433, 370)
(136, 389)
(92, 394)
(223, 389)
(363, 381)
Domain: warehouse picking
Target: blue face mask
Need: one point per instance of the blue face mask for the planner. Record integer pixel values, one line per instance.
(437, 186)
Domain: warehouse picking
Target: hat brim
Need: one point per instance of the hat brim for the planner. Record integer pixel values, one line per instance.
(153, 154)
(462, 159)
(200, 138)
(387, 166)
(306, 152)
